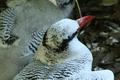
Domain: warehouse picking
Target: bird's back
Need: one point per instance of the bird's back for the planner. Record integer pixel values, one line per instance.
(38, 71)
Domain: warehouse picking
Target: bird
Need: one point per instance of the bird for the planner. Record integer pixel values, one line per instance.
(7, 20)
(31, 15)
(62, 56)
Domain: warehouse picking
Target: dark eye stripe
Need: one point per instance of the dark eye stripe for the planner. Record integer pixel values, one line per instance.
(72, 36)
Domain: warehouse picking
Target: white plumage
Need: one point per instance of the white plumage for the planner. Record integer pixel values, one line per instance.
(63, 57)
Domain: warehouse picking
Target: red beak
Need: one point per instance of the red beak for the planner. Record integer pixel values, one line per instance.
(84, 21)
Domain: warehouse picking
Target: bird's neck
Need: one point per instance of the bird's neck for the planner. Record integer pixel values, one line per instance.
(50, 57)
(78, 48)
(80, 52)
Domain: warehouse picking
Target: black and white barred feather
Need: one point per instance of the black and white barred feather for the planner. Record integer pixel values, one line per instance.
(39, 71)
(7, 20)
(36, 41)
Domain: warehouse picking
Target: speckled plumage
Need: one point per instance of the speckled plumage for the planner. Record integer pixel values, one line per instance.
(71, 63)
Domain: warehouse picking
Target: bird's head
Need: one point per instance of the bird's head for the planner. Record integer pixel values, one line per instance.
(62, 32)
(57, 38)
